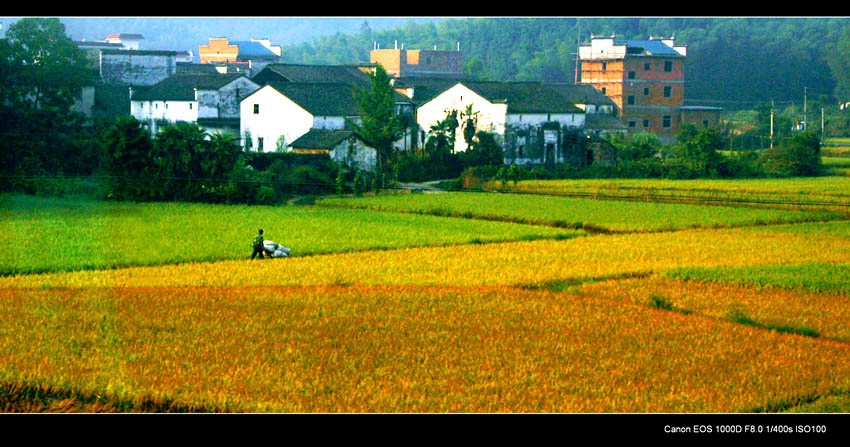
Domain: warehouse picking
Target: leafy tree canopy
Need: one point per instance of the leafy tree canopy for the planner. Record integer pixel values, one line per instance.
(41, 65)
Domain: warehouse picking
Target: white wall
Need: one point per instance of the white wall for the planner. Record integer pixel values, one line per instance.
(277, 116)
(355, 155)
(171, 111)
(491, 117)
(535, 119)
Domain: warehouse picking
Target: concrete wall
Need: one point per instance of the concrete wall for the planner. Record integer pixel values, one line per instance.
(142, 68)
(225, 102)
(354, 154)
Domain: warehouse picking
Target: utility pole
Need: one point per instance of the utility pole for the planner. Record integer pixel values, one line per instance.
(771, 124)
(578, 44)
(805, 113)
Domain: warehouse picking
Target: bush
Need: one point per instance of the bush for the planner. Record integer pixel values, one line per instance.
(309, 180)
(798, 156)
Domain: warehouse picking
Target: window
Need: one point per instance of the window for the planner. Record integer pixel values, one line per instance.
(603, 90)
(666, 122)
(668, 92)
(631, 75)
(647, 66)
(705, 123)
(256, 109)
(645, 123)
(668, 66)
(646, 91)
(260, 144)
(604, 66)
(520, 150)
(190, 106)
(632, 124)
(630, 100)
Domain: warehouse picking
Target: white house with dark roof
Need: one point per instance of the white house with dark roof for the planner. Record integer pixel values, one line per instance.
(210, 100)
(342, 146)
(280, 112)
(535, 124)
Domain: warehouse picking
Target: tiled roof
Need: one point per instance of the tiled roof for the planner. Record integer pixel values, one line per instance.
(140, 52)
(181, 86)
(582, 94)
(124, 36)
(250, 48)
(602, 121)
(188, 67)
(425, 88)
(524, 97)
(321, 139)
(324, 99)
(651, 48)
(90, 43)
(521, 97)
(345, 74)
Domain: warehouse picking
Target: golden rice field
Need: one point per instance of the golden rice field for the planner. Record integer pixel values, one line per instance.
(825, 314)
(823, 193)
(406, 349)
(590, 323)
(509, 263)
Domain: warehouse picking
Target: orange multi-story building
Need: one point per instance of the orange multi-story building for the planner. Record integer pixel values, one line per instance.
(426, 63)
(644, 78)
(252, 55)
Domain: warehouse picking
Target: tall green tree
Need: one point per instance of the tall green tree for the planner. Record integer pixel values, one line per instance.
(838, 60)
(379, 125)
(42, 66)
(130, 159)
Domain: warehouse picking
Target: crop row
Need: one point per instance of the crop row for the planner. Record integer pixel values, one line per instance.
(508, 263)
(42, 235)
(827, 192)
(576, 212)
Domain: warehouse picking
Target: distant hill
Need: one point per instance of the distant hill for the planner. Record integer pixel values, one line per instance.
(186, 33)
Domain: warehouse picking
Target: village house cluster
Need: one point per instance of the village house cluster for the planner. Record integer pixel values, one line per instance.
(243, 88)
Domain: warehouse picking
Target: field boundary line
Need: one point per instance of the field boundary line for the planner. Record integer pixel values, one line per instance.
(691, 200)
(588, 227)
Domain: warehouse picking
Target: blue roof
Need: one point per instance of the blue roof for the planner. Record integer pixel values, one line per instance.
(248, 48)
(653, 47)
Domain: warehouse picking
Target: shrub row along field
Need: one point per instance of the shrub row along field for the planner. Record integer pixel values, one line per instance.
(594, 215)
(404, 349)
(828, 192)
(42, 235)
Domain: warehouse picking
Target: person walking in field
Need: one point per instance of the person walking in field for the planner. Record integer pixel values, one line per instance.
(258, 246)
